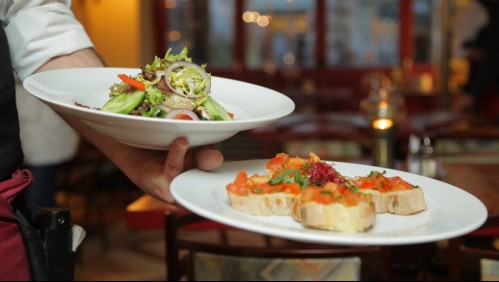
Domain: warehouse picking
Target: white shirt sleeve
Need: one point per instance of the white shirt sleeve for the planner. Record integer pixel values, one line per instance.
(36, 119)
(38, 30)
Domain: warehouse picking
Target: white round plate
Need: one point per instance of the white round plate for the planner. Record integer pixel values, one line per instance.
(252, 106)
(451, 211)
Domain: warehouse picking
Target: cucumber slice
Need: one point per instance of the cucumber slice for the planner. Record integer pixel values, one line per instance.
(216, 110)
(124, 103)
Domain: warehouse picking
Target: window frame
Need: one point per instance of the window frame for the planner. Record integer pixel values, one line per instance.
(324, 77)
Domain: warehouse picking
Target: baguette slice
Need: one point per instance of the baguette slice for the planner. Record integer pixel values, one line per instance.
(392, 194)
(335, 208)
(280, 203)
(337, 217)
(405, 202)
(254, 195)
(380, 200)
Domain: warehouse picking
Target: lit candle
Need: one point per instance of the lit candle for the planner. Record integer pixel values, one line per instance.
(382, 123)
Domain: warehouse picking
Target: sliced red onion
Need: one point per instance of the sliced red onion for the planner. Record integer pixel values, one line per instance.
(165, 107)
(160, 73)
(194, 67)
(174, 113)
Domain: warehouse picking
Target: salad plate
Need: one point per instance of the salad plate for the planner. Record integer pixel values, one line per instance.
(81, 91)
(204, 193)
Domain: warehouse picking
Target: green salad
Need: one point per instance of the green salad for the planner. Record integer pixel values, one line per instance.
(171, 87)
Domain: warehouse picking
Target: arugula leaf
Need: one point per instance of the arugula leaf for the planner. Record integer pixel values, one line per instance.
(284, 177)
(290, 176)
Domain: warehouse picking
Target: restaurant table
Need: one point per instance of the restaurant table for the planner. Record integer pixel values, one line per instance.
(479, 179)
(416, 122)
(352, 126)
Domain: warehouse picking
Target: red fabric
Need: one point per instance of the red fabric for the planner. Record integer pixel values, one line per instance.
(14, 263)
(486, 232)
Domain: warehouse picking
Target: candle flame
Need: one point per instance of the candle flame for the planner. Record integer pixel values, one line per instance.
(382, 123)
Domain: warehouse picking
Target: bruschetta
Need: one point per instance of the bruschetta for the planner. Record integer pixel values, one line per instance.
(334, 207)
(254, 195)
(273, 193)
(315, 194)
(392, 194)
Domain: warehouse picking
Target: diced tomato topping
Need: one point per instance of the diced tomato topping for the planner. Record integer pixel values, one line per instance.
(292, 188)
(239, 185)
(277, 163)
(380, 182)
(325, 187)
(295, 163)
(398, 184)
(334, 193)
(365, 183)
(183, 116)
(242, 185)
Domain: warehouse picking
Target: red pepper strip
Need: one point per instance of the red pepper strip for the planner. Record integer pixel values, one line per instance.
(183, 116)
(130, 81)
(231, 115)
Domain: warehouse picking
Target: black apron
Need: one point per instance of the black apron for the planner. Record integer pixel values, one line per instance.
(14, 263)
(11, 154)
(42, 252)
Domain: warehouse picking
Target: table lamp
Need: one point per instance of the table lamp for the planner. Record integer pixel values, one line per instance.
(384, 109)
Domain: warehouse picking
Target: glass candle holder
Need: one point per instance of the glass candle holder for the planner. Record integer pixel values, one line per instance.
(385, 103)
(384, 109)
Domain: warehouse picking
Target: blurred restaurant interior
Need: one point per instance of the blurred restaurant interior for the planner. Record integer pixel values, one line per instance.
(333, 58)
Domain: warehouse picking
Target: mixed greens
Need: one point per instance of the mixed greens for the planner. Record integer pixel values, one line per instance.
(171, 87)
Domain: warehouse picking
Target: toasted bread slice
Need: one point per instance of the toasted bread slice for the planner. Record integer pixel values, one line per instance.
(337, 217)
(334, 207)
(406, 202)
(263, 205)
(253, 195)
(392, 194)
(380, 200)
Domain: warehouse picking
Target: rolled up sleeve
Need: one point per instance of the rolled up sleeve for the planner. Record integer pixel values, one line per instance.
(43, 32)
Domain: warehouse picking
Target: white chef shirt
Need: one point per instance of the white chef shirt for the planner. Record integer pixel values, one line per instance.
(46, 138)
(38, 30)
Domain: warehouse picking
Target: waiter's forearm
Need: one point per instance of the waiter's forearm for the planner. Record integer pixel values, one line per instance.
(87, 58)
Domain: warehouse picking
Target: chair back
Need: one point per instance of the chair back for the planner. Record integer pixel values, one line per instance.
(484, 258)
(277, 259)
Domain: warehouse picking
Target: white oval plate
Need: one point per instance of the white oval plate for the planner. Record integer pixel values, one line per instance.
(451, 211)
(252, 106)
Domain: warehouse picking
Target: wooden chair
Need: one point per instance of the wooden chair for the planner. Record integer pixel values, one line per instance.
(235, 261)
(460, 252)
